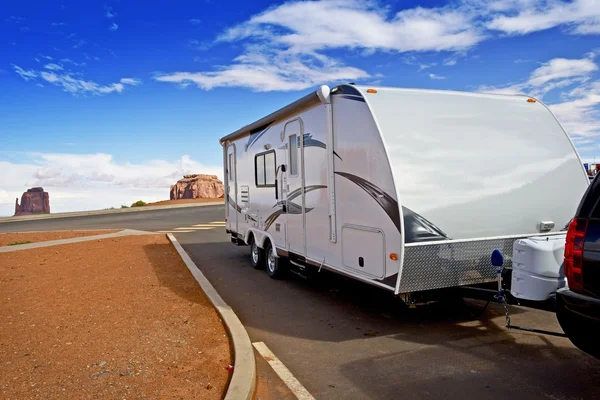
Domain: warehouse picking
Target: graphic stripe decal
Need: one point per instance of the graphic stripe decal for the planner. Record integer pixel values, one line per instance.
(355, 98)
(389, 205)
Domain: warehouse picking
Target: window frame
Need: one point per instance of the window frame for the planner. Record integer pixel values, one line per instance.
(263, 154)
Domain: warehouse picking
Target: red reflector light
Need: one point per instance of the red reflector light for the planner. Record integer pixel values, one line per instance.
(574, 253)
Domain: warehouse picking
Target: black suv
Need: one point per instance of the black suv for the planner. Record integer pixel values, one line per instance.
(578, 305)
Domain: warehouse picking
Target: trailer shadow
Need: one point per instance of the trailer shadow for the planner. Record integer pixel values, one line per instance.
(385, 351)
(294, 306)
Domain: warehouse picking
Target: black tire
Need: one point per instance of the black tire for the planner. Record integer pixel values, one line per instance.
(257, 255)
(275, 265)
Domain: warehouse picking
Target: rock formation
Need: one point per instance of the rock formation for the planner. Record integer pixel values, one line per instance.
(33, 201)
(197, 186)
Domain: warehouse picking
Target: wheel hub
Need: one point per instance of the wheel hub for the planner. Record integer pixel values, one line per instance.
(254, 253)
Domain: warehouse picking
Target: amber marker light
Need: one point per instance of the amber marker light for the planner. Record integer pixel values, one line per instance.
(394, 256)
(371, 91)
(530, 100)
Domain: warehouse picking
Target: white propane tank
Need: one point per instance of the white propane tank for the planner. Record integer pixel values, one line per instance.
(537, 267)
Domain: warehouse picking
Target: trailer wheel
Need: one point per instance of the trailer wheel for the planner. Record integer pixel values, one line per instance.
(257, 255)
(275, 267)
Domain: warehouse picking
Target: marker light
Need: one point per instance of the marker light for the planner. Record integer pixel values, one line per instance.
(371, 91)
(393, 256)
(530, 100)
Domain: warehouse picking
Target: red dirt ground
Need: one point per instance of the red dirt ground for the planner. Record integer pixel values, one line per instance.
(34, 237)
(113, 318)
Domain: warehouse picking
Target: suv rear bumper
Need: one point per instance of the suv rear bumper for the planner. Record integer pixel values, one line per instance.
(579, 317)
(585, 308)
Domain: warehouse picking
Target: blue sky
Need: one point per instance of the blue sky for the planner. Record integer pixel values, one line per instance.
(104, 103)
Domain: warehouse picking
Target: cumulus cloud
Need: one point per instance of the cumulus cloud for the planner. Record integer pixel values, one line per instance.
(579, 106)
(72, 83)
(436, 77)
(94, 181)
(53, 67)
(25, 74)
(284, 32)
(556, 73)
(522, 17)
(279, 71)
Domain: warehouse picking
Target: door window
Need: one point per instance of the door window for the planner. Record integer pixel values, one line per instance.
(293, 145)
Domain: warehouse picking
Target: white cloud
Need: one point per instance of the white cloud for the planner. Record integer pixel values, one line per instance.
(283, 71)
(108, 13)
(436, 77)
(25, 74)
(94, 181)
(359, 24)
(556, 73)
(72, 83)
(284, 49)
(58, 24)
(69, 61)
(580, 113)
(579, 108)
(130, 81)
(304, 31)
(78, 44)
(195, 21)
(518, 17)
(53, 67)
(113, 27)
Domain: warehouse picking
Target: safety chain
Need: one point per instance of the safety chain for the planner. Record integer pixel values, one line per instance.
(505, 304)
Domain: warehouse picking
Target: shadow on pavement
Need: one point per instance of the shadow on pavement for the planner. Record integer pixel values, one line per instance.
(293, 305)
(389, 352)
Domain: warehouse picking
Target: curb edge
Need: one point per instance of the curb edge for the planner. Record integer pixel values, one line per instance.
(243, 380)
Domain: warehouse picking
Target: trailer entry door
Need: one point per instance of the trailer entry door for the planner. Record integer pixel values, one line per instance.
(294, 190)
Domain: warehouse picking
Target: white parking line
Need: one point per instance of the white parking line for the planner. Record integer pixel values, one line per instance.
(286, 376)
(173, 231)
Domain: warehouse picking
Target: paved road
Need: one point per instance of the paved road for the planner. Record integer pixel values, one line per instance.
(145, 220)
(345, 340)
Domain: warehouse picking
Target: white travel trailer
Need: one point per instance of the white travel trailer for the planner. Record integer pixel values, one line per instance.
(409, 190)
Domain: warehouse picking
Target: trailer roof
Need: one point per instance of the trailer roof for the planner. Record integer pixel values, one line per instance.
(304, 101)
(312, 97)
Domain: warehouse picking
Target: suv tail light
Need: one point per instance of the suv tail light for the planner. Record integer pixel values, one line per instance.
(574, 253)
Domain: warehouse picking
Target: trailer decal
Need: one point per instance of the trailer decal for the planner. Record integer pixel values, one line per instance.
(238, 208)
(387, 202)
(254, 136)
(355, 98)
(310, 142)
(292, 208)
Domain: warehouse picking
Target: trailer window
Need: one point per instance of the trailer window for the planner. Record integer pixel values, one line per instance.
(264, 169)
(293, 155)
